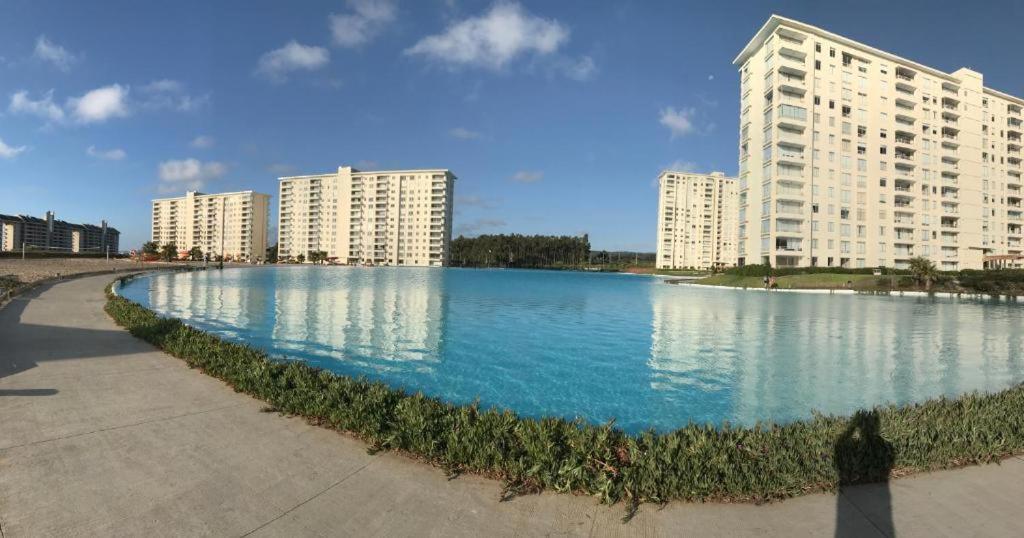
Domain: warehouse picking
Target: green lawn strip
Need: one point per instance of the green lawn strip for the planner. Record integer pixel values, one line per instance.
(696, 462)
(812, 281)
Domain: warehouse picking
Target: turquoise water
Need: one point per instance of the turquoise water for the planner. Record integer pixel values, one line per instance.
(603, 346)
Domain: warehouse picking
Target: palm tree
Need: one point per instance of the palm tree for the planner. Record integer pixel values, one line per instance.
(924, 271)
(196, 254)
(150, 247)
(169, 251)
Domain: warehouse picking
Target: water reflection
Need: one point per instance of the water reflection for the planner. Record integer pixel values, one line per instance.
(600, 347)
(776, 356)
(355, 318)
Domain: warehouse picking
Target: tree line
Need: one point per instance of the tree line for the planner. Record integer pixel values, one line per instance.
(523, 251)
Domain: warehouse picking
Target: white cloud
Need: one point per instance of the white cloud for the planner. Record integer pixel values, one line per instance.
(282, 169)
(472, 200)
(367, 19)
(100, 104)
(202, 142)
(45, 108)
(493, 39)
(115, 154)
(188, 174)
(163, 85)
(679, 122)
(464, 134)
(711, 77)
(682, 166)
(581, 70)
(294, 56)
(10, 152)
(526, 176)
(475, 227)
(170, 94)
(48, 51)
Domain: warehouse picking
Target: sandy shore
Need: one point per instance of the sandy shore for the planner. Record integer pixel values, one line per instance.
(32, 270)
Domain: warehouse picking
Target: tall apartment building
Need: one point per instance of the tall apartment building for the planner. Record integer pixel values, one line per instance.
(233, 223)
(697, 220)
(56, 235)
(395, 217)
(851, 156)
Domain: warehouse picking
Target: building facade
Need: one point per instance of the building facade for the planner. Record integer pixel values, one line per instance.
(697, 220)
(232, 224)
(854, 157)
(395, 217)
(55, 235)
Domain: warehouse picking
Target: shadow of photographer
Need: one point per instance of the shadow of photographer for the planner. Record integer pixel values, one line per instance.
(863, 456)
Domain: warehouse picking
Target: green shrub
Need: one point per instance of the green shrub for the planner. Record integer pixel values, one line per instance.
(696, 462)
(762, 270)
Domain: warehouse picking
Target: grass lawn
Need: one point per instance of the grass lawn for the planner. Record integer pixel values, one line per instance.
(813, 281)
(679, 272)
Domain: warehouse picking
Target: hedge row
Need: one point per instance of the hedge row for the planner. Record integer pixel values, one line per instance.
(697, 462)
(763, 270)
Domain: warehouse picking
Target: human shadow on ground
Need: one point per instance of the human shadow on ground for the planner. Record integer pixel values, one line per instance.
(863, 456)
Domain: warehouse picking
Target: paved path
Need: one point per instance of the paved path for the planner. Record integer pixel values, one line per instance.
(102, 435)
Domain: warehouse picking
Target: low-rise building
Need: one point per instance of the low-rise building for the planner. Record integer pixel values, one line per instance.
(231, 224)
(393, 217)
(697, 220)
(50, 234)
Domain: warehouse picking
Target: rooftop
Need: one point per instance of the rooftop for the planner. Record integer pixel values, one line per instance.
(776, 21)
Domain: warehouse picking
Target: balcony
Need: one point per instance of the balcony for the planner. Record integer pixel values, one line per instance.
(789, 154)
(788, 244)
(788, 226)
(948, 103)
(904, 119)
(791, 82)
(792, 117)
(906, 219)
(792, 137)
(903, 155)
(905, 74)
(791, 191)
(905, 104)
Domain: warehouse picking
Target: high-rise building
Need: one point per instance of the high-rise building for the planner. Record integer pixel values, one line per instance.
(395, 217)
(697, 224)
(232, 224)
(55, 235)
(855, 157)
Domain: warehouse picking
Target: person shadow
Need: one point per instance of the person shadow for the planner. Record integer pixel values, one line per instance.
(864, 461)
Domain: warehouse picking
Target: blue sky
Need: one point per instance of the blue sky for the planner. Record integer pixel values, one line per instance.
(555, 116)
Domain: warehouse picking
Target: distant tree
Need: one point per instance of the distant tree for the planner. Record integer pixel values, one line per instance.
(272, 254)
(169, 251)
(196, 254)
(150, 247)
(301, 258)
(318, 256)
(924, 271)
(517, 250)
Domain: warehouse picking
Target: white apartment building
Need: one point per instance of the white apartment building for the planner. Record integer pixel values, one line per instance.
(697, 226)
(854, 157)
(394, 217)
(232, 224)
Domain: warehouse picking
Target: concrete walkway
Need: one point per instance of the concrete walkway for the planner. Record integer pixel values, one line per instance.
(102, 435)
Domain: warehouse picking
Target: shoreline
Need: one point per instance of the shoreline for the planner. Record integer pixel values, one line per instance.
(840, 291)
